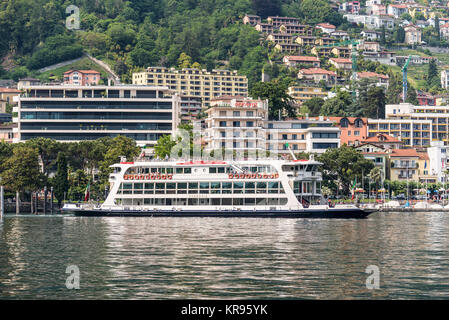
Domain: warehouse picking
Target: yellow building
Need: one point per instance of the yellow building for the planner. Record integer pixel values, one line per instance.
(404, 165)
(195, 82)
(8, 94)
(302, 94)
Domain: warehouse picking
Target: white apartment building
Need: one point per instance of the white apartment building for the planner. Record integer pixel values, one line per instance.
(445, 79)
(204, 84)
(71, 113)
(302, 135)
(371, 21)
(438, 160)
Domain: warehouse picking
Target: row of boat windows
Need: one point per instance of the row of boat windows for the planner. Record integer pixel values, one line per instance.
(188, 170)
(200, 187)
(306, 187)
(203, 202)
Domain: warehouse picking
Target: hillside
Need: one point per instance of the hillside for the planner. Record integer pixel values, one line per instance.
(130, 35)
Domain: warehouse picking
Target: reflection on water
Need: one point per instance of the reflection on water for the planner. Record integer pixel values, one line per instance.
(158, 258)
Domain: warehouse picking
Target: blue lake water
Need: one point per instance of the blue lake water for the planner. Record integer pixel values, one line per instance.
(229, 258)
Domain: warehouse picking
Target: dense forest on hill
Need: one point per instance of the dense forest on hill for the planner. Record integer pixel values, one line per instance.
(133, 34)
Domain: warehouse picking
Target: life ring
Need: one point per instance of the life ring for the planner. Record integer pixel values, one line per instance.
(276, 175)
(253, 176)
(158, 176)
(242, 176)
(151, 176)
(231, 176)
(164, 177)
(136, 177)
(271, 176)
(247, 176)
(125, 177)
(147, 177)
(142, 177)
(169, 176)
(265, 176)
(259, 176)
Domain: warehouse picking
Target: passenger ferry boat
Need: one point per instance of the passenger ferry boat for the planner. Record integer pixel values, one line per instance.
(249, 188)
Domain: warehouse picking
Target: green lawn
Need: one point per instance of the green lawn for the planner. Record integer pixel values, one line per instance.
(83, 64)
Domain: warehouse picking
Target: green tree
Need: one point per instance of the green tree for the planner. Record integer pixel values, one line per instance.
(437, 27)
(279, 102)
(164, 146)
(411, 96)
(60, 181)
(314, 105)
(343, 165)
(432, 74)
(21, 171)
(339, 106)
(184, 61)
(375, 175)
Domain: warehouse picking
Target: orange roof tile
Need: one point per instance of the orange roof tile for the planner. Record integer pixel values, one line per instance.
(388, 139)
(317, 71)
(368, 74)
(404, 153)
(302, 58)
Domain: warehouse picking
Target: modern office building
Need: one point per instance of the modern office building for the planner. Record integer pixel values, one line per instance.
(204, 84)
(74, 113)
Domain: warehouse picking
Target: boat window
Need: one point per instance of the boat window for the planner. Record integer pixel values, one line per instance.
(187, 170)
(138, 185)
(170, 170)
(221, 170)
(212, 170)
(178, 170)
(193, 185)
(171, 185)
(215, 201)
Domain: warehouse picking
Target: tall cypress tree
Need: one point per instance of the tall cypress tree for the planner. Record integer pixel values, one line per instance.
(61, 182)
(437, 27)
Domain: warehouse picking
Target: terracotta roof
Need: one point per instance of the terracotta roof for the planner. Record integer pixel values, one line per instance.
(317, 71)
(423, 156)
(341, 60)
(446, 25)
(326, 25)
(402, 6)
(404, 153)
(388, 139)
(368, 74)
(302, 58)
(9, 90)
(82, 71)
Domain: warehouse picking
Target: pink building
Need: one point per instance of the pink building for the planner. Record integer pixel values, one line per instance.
(82, 77)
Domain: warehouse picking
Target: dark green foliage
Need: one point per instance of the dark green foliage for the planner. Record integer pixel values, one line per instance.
(314, 105)
(411, 96)
(279, 102)
(265, 8)
(343, 165)
(433, 79)
(60, 181)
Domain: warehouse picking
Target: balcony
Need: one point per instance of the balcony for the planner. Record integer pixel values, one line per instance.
(404, 165)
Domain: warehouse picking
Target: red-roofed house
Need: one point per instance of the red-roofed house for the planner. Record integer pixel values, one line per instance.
(397, 9)
(82, 77)
(404, 165)
(341, 63)
(293, 61)
(382, 80)
(384, 141)
(317, 74)
(326, 27)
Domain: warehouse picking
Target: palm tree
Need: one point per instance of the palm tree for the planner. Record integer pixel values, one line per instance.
(375, 175)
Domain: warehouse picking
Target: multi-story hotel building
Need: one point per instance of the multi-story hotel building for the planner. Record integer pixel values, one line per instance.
(413, 133)
(302, 135)
(237, 123)
(73, 113)
(195, 82)
(438, 116)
